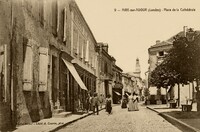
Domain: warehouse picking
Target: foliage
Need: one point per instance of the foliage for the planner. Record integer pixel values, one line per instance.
(146, 92)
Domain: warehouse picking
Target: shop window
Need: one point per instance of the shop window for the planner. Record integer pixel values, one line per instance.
(43, 68)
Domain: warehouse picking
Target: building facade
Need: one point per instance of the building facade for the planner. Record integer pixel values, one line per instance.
(48, 60)
(129, 83)
(105, 63)
(117, 84)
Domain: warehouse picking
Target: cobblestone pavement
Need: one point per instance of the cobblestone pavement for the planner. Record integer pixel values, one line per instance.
(121, 120)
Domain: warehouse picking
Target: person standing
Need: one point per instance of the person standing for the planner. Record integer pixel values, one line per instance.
(124, 102)
(101, 100)
(130, 102)
(95, 103)
(198, 98)
(88, 102)
(109, 104)
(135, 102)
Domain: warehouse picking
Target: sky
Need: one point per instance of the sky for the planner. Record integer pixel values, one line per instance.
(130, 33)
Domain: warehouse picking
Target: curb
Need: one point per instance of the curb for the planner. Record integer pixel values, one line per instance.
(173, 120)
(64, 125)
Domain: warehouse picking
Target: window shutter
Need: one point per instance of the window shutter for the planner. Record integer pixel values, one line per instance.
(58, 15)
(64, 24)
(78, 38)
(82, 48)
(28, 68)
(1, 58)
(3, 73)
(87, 52)
(43, 68)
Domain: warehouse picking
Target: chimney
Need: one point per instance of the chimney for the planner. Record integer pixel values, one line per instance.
(105, 47)
(157, 41)
(184, 30)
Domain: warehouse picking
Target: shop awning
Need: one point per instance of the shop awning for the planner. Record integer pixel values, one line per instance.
(117, 93)
(75, 74)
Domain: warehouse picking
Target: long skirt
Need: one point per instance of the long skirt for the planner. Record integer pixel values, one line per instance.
(133, 106)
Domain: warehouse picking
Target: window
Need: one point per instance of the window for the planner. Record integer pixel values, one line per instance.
(43, 68)
(41, 12)
(3, 73)
(161, 53)
(55, 17)
(106, 68)
(28, 67)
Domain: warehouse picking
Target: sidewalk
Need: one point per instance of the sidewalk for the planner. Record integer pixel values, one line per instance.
(177, 117)
(53, 124)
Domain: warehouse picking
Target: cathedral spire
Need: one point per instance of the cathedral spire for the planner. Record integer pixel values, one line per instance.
(137, 68)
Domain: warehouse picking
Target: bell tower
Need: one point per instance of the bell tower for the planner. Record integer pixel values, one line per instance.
(137, 68)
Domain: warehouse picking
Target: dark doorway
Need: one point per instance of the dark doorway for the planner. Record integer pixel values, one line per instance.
(54, 79)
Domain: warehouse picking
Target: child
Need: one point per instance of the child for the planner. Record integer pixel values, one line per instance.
(108, 104)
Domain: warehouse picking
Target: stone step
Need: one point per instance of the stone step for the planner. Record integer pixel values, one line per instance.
(62, 114)
(57, 111)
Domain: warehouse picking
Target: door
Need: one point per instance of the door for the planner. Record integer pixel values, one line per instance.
(54, 80)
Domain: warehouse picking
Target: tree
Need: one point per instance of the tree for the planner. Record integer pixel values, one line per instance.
(182, 64)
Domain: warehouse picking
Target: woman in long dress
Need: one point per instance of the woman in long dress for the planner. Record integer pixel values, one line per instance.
(109, 104)
(132, 103)
(135, 102)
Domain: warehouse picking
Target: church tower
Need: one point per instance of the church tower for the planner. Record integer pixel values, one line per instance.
(137, 68)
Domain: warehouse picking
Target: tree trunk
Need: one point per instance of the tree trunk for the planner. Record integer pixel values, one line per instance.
(178, 95)
(192, 90)
(167, 96)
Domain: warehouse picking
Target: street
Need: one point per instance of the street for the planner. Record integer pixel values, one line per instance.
(121, 120)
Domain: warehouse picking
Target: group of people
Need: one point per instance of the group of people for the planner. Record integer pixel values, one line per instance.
(130, 101)
(95, 101)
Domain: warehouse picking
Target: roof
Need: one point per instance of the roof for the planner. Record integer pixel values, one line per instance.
(163, 43)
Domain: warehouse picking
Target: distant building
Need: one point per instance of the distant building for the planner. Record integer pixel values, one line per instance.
(129, 83)
(137, 78)
(105, 64)
(117, 83)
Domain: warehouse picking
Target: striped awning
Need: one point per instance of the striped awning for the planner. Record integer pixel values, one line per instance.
(75, 74)
(117, 93)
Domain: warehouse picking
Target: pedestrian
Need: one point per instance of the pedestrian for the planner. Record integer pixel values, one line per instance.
(109, 104)
(133, 102)
(88, 104)
(101, 100)
(124, 102)
(198, 98)
(95, 103)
